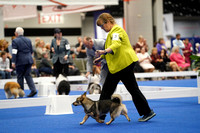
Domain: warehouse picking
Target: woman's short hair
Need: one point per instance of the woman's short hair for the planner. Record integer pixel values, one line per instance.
(174, 48)
(105, 17)
(154, 48)
(88, 38)
(3, 53)
(159, 40)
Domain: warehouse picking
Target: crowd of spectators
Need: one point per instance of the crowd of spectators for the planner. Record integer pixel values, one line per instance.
(163, 58)
(160, 57)
(42, 55)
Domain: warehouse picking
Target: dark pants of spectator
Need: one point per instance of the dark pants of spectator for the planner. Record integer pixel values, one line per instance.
(160, 66)
(35, 72)
(128, 78)
(5, 74)
(138, 68)
(60, 68)
(24, 71)
(46, 70)
(74, 71)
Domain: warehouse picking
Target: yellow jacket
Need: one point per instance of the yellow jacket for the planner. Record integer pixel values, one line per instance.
(123, 54)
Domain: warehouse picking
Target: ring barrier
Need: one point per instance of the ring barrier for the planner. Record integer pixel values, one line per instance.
(56, 104)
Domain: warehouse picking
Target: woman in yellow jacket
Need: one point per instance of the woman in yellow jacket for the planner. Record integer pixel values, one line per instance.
(121, 59)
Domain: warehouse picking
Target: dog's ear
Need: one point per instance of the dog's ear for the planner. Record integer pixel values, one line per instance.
(84, 94)
(89, 85)
(65, 75)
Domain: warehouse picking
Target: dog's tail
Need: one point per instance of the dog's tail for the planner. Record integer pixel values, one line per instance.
(116, 98)
(21, 93)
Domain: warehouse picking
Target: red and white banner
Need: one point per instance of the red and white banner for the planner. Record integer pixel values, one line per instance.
(18, 12)
(70, 9)
(48, 13)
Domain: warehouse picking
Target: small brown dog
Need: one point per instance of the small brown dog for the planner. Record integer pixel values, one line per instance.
(13, 88)
(95, 109)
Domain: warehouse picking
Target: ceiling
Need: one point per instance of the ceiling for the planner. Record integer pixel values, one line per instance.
(182, 8)
(59, 2)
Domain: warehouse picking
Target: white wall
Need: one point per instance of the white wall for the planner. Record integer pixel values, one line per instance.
(1, 23)
(138, 17)
(88, 27)
(187, 28)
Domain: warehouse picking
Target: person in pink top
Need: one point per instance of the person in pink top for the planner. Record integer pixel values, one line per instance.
(187, 51)
(178, 58)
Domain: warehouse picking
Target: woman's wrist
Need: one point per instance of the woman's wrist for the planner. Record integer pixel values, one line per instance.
(105, 52)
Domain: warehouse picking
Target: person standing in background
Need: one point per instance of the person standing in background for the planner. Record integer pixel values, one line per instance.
(22, 60)
(60, 48)
(178, 42)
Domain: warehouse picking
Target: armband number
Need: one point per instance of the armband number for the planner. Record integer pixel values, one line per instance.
(115, 36)
(67, 47)
(14, 51)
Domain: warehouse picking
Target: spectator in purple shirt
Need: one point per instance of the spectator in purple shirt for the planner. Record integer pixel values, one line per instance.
(161, 45)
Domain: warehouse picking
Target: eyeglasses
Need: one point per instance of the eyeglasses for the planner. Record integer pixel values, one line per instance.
(101, 25)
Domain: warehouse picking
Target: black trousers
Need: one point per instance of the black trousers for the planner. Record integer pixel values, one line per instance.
(160, 66)
(59, 68)
(128, 78)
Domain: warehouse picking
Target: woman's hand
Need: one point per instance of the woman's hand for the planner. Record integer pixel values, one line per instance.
(99, 52)
(65, 57)
(52, 49)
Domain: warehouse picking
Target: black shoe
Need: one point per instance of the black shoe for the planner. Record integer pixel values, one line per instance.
(147, 117)
(33, 93)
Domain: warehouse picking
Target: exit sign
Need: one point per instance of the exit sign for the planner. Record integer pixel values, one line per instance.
(50, 19)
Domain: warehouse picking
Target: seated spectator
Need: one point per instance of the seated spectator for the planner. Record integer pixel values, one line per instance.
(40, 49)
(1, 45)
(145, 61)
(37, 40)
(13, 73)
(138, 68)
(73, 70)
(10, 46)
(5, 47)
(34, 70)
(178, 58)
(157, 61)
(161, 45)
(197, 48)
(140, 44)
(172, 64)
(48, 50)
(5, 70)
(45, 65)
(80, 49)
(187, 51)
